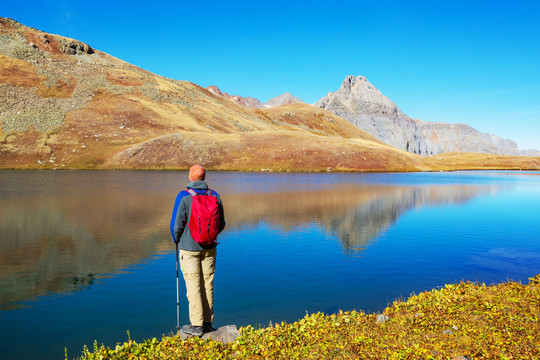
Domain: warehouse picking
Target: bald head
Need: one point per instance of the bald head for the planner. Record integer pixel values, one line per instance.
(197, 173)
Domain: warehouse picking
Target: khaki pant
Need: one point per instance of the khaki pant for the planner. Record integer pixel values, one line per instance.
(198, 268)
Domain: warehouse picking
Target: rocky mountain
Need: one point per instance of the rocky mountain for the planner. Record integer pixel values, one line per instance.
(253, 103)
(365, 106)
(529, 152)
(247, 102)
(64, 104)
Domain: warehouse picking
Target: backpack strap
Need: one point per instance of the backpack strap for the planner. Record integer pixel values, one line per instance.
(194, 193)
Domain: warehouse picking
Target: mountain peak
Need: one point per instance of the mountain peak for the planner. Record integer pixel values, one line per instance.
(358, 84)
(247, 102)
(283, 99)
(351, 80)
(357, 96)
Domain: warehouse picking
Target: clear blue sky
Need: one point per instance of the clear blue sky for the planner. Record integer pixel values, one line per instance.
(475, 62)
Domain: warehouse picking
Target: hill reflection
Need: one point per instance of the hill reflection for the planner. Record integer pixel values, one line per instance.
(62, 243)
(56, 244)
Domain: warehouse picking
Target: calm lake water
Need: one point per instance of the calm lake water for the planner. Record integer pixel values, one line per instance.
(87, 255)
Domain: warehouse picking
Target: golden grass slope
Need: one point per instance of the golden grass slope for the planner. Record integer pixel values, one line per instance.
(66, 105)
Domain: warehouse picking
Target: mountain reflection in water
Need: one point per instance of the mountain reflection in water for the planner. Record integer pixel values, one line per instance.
(355, 214)
(59, 243)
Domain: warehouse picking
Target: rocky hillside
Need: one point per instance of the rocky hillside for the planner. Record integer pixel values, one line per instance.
(64, 104)
(365, 106)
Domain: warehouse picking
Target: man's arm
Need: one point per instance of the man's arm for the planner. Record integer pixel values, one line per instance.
(178, 218)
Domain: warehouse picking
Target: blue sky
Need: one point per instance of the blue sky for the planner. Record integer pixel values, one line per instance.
(474, 62)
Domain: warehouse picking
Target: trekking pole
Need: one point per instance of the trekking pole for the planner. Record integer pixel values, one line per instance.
(177, 294)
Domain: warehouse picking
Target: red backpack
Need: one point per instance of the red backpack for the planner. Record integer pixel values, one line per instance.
(205, 218)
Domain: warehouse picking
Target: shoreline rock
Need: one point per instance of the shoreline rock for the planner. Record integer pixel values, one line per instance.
(225, 334)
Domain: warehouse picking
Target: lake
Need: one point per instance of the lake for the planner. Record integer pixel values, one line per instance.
(87, 255)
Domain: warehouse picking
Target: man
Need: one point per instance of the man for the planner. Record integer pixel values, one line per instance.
(197, 261)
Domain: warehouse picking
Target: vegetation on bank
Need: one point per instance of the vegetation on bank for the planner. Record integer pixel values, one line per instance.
(465, 320)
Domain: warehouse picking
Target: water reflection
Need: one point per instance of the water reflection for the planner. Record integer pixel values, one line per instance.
(355, 214)
(65, 242)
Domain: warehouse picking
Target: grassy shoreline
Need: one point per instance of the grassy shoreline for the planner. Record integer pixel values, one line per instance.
(465, 320)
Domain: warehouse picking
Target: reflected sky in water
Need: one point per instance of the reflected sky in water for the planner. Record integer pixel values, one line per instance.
(87, 254)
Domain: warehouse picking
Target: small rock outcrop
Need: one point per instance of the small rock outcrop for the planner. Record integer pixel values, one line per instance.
(73, 47)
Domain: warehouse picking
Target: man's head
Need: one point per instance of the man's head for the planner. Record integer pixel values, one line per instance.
(197, 173)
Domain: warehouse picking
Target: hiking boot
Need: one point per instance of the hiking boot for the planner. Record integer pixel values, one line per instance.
(207, 327)
(193, 330)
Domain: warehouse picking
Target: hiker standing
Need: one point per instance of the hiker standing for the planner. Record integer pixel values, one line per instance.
(196, 220)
